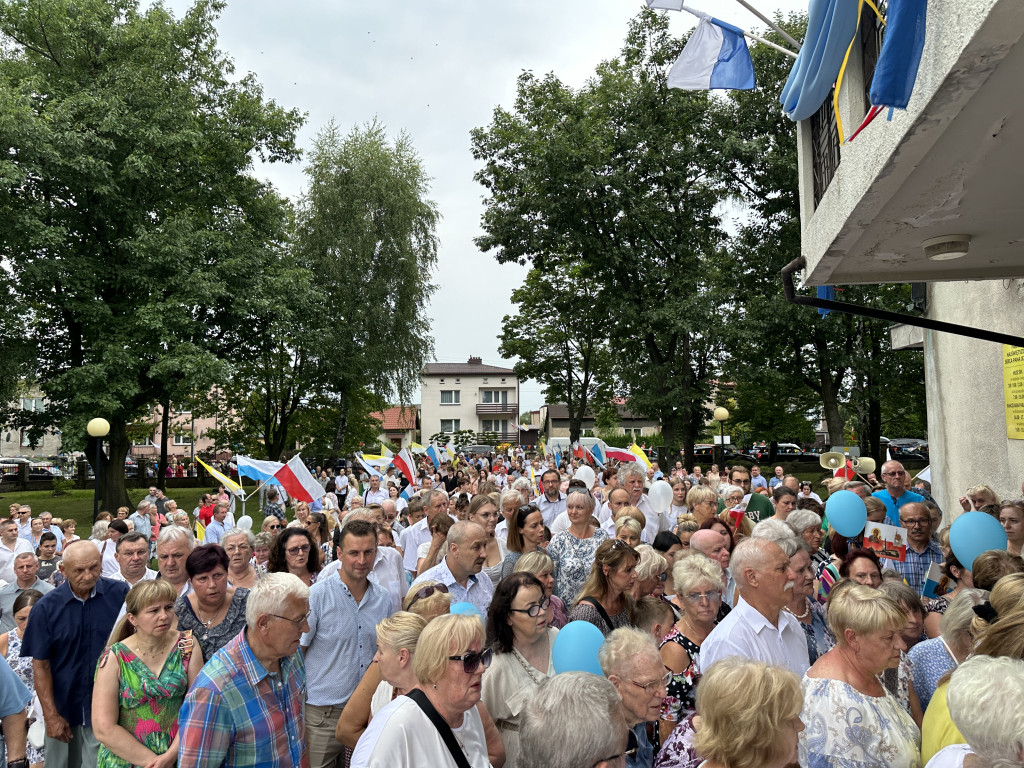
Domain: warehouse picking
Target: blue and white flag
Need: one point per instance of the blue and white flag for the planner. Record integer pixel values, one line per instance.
(715, 57)
(432, 453)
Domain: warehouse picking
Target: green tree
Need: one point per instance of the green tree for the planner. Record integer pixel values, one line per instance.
(132, 220)
(559, 339)
(366, 231)
(619, 178)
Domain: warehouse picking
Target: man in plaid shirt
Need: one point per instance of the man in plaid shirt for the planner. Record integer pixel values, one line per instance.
(921, 550)
(245, 708)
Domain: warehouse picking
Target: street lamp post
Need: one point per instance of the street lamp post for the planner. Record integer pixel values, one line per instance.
(98, 428)
(721, 415)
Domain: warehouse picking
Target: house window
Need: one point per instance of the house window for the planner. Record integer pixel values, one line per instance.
(450, 397)
(183, 439)
(494, 396)
(451, 425)
(35, 404)
(494, 425)
(26, 441)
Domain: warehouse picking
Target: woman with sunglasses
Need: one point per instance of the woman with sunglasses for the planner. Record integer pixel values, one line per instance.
(449, 664)
(605, 600)
(698, 583)
(651, 573)
(295, 551)
(519, 634)
(525, 534)
(213, 610)
(271, 525)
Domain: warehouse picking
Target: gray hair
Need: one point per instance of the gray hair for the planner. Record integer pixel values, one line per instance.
(173, 533)
(429, 496)
(249, 537)
(773, 530)
(510, 493)
(589, 503)
(986, 702)
(142, 506)
(730, 489)
(624, 649)
(955, 624)
(99, 529)
(572, 719)
(802, 519)
(23, 555)
(522, 484)
(271, 595)
(629, 469)
(751, 553)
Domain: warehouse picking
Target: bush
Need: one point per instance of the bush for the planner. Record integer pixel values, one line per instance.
(61, 486)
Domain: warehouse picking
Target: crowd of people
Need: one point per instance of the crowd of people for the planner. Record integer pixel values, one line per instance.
(397, 623)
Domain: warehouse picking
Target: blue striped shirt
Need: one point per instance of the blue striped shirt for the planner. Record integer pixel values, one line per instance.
(342, 638)
(240, 714)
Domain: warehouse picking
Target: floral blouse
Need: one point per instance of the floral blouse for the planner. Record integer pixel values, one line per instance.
(573, 559)
(682, 688)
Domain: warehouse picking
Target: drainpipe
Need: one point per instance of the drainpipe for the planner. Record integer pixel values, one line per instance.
(799, 263)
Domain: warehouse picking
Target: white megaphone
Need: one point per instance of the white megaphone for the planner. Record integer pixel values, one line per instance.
(832, 460)
(863, 465)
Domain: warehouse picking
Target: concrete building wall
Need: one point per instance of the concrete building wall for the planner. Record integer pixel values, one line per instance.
(469, 387)
(964, 381)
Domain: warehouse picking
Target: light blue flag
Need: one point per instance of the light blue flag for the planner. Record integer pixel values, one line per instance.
(715, 57)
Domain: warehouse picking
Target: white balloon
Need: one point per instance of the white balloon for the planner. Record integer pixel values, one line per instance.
(660, 496)
(244, 522)
(587, 476)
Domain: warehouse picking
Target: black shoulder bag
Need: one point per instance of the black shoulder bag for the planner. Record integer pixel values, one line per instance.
(441, 725)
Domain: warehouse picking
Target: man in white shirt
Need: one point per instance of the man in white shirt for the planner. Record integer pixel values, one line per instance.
(11, 545)
(551, 503)
(758, 628)
(434, 503)
(374, 494)
(173, 546)
(133, 558)
(631, 476)
(459, 570)
(26, 566)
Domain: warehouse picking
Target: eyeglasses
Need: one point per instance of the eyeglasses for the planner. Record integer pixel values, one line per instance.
(298, 623)
(534, 610)
(631, 747)
(919, 523)
(473, 660)
(426, 592)
(298, 550)
(892, 474)
(711, 596)
(655, 686)
(237, 548)
(274, 527)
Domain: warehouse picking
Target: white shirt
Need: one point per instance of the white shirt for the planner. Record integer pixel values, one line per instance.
(410, 540)
(108, 549)
(375, 497)
(549, 510)
(745, 632)
(387, 572)
(149, 575)
(478, 590)
(651, 529)
(400, 734)
(7, 555)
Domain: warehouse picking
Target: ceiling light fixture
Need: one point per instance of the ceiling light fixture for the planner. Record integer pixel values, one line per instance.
(946, 247)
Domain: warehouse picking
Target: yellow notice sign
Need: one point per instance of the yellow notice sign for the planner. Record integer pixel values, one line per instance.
(1013, 390)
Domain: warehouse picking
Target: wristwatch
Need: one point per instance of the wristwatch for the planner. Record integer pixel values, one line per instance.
(22, 763)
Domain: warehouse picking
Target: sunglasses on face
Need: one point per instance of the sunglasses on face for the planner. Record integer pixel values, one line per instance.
(298, 550)
(426, 592)
(473, 660)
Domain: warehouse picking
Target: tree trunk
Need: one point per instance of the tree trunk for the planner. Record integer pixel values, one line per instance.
(110, 471)
(342, 430)
(165, 426)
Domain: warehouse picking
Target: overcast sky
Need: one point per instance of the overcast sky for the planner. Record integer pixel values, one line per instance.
(436, 69)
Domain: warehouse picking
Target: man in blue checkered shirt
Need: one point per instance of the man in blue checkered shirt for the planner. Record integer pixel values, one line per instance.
(921, 550)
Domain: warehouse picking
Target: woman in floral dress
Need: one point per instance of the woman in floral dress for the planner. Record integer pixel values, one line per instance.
(141, 681)
(573, 550)
(10, 648)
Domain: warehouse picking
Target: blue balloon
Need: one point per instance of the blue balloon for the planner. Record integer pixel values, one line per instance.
(465, 608)
(846, 513)
(575, 648)
(973, 533)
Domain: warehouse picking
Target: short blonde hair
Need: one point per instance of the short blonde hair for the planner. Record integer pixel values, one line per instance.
(694, 570)
(437, 603)
(686, 524)
(864, 610)
(401, 630)
(698, 494)
(623, 649)
(650, 563)
(743, 731)
(445, 636)
(537, 562)
(632, 513)
(633, 525)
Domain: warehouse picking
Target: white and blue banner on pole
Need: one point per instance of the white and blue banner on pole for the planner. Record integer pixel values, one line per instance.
(715, 57)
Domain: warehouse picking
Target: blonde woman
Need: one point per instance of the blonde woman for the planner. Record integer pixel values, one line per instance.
(651, 573)
(628, 529)
(142, 679)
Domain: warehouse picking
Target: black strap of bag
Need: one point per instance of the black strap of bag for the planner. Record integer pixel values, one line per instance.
(442, 727)
(600, 609)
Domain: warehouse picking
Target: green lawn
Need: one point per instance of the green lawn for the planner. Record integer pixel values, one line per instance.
(78, 504)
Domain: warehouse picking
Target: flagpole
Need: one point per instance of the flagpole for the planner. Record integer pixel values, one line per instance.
(770, 23)
(769, 43)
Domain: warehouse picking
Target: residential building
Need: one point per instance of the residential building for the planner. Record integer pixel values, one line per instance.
(931, 197)
(554, 420)
(399, 425)
(16, 442)
(470, 395)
